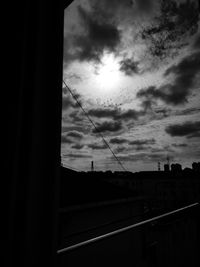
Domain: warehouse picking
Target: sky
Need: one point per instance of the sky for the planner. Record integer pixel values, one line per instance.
(134, 66)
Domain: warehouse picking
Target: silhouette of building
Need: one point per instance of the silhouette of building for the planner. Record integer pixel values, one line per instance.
(196, 166)
(166, 168)
(176, 167)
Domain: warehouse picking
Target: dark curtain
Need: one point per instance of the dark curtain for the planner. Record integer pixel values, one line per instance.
(34, 35)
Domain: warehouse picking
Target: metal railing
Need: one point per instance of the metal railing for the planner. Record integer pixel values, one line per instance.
(118, 231)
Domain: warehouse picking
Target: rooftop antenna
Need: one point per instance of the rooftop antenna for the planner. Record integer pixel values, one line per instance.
(92, 166)
(168, 160)
(159, 166)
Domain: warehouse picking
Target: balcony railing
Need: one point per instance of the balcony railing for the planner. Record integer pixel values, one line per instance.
(151, 221)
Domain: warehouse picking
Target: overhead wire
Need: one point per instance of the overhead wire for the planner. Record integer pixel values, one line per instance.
(95, 127)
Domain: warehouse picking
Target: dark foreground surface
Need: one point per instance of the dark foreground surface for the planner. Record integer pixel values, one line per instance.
(115, 202)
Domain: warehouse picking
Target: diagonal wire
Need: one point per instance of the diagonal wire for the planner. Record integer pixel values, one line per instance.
(93, 124)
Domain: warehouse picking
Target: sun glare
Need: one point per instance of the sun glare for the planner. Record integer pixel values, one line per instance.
(107, 76)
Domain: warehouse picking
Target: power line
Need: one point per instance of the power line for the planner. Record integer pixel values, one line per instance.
(93, 124)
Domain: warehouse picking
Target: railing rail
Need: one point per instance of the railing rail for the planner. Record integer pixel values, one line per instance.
(118, 231)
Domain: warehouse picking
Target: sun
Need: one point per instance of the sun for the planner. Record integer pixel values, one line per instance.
(108, 75)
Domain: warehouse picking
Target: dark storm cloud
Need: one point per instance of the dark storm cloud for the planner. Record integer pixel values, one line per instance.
(155, 157)
(177, 21)
(108, 126)
(142, 144)
(111, 4)
(65, 139)
(130, 114)
(120, 149)
(196, 44)
(75, 134)
(169, 94)
(118, 141)
(145, 5)
(188, 111)
(100, 30)
(177, 92)
(144, 157)
(103, 113)
(111, 10)
(179, 145)
(77, 146)
(162, 112)
(132, 157)
(76, 116)
(79, 128)
(73, 77)
(165, 149)
(151, 141)
(188, 66)
(68, 101)
(185, 129)
(147, 102)
(97, 146)
(185, 72)
(75, 156)
(194, 135)
(141, 147)
(129, 67)
(115, 113)
(148, 95)
(99, 36)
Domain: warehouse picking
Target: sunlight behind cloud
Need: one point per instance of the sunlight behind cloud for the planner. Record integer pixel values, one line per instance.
(107, 75)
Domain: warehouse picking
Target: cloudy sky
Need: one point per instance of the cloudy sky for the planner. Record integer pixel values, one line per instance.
(135, 68)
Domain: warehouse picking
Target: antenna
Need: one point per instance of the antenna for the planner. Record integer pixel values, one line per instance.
(92, 166)
(159, 166)
(168, 160)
